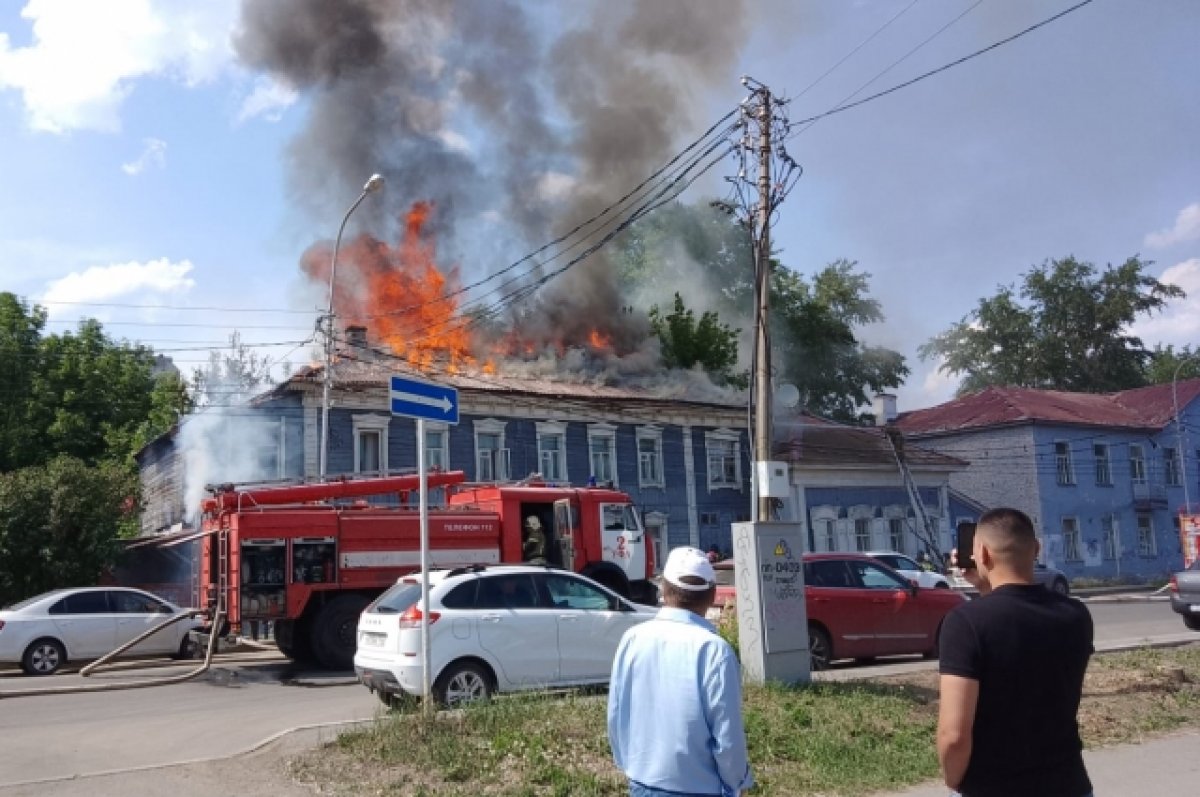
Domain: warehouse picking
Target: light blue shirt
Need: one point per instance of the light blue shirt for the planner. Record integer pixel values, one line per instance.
(675, 707)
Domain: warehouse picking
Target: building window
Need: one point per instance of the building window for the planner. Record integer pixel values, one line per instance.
(1062, 463)
(1112, 544)
(492, 462)
(1171, 466)
(437, 454)
(862, 534)
(1103, 471)
(1145, 536)
(1072, 550)
(370, 443)
(1137, 463)
(724, 459)
(650, 459)
(552, 450)
(709, 518)
(896, 533)
(602, 451)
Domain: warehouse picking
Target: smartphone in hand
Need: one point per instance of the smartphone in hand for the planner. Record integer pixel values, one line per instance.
(965, 543)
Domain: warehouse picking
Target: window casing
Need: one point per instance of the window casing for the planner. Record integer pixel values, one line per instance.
(370, 443)
(724, 449)
(1063, 467)
(1147, 547)
(1137, 463)
(1171, 467)
(1103, 469)
(437, 450)
(602, 452)
(862, 534)
(650, 459)
(1072, 550)
(1109, 530)
(552, 450)
(896, 533)
(492, 461)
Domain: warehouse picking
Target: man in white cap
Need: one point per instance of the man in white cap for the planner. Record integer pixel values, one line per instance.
(675, 698)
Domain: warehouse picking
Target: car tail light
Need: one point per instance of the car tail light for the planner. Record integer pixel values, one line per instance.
(1, 625)
(411, 618)
(1174, 583)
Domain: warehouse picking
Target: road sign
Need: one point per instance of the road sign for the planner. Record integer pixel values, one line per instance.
(429, 401)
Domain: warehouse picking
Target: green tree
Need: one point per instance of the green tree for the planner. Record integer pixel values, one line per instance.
(60, 524)
(1066, 328)
(1166, 364)
(707, 343)
(20, 358)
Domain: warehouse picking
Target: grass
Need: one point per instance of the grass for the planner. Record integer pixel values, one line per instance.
(824, 739)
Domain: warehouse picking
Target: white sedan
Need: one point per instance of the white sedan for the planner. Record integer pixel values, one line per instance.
(46, 631)
(907, 567)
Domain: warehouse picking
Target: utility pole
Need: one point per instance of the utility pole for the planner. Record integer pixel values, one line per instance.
(762, 265)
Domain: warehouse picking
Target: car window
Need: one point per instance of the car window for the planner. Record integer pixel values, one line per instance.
(399, 598)
(902, 563)
(509, 591)
(872, 576)
(572, 593)
(827, 573)
(461, 596)
(82, 603)
(135, 603)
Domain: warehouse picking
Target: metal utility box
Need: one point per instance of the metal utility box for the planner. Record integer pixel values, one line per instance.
(772, 479)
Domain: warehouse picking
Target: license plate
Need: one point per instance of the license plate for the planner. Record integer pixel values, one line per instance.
(372, 640)
(1195, 607)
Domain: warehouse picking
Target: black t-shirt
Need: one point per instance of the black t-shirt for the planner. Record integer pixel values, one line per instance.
(1028, 648)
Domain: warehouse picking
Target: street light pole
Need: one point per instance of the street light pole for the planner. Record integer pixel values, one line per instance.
(372, 185)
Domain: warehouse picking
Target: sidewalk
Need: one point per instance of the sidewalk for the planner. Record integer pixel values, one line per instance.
(1168, 765)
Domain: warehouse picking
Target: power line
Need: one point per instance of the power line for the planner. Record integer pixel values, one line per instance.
(29, 301)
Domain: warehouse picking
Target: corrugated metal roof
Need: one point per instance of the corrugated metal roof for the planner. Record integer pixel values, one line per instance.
(827, 444)
(1141, 408)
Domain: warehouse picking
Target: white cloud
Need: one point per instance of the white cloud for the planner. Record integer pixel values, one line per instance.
(1186, 229)
(154, 153)
(1179, 324)
(155, 278)
(268, 101)
(86, 55)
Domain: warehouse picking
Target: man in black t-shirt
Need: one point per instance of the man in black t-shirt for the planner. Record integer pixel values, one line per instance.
(1012, 667)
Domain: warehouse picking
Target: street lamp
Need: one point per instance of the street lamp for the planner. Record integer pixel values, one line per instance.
(1179, 436)
(372, 185)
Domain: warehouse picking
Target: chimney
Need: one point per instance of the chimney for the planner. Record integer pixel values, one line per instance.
(356, 337)
(885, 408)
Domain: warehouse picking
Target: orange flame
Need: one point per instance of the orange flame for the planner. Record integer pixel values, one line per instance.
(598, 340)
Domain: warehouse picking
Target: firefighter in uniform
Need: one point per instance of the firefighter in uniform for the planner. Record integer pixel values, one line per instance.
(534, 546)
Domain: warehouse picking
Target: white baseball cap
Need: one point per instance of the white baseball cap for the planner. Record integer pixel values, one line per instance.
(689, 562)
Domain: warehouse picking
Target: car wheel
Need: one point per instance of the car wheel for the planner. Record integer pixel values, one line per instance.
(462, 683)
(186, 649)
(820, 648)
(1061, 586)
(1192, 621)
(44, 657)
(334, 631)
(941, 585)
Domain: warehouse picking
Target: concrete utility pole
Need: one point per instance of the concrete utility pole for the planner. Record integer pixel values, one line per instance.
(762, 273)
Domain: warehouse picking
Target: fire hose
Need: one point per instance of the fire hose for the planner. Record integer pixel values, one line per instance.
(218, 619)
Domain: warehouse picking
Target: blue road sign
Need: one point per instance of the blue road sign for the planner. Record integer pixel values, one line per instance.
(417, 398)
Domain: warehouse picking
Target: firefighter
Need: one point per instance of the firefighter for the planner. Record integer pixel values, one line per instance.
(534, 546)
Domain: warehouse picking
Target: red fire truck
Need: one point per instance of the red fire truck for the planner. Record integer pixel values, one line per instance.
(309, 558)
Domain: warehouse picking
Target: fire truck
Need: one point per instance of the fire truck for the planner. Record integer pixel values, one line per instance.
(309, 558)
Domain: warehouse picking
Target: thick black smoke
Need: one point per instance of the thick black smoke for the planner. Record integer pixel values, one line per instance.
(565, 108)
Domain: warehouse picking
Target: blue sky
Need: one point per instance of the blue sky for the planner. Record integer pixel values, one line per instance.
(144, 163)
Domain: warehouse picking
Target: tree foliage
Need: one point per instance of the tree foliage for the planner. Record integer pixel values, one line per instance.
(230, 376)
(60, 523)
(1065, 328)
(707, 343)
(1166, 364)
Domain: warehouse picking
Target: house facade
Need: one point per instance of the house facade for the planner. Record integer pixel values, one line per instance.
(1103, 476)
(685, 462)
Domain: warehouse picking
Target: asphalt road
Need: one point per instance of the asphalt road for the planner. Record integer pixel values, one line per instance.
(237, 706)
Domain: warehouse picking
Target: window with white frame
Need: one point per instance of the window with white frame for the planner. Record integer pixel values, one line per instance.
(650, 459)
(1103, 469)
(1072, 550)
(1147, 546)
(862, 534)
(602, 451)
(437, 446)
(824, 519)
(1137, 463)
(896, 533)
(370, 443)
(724, 449)
(1108, 529)
(1063, 467)
(491, 457)
(1171, 466)
(552, 450)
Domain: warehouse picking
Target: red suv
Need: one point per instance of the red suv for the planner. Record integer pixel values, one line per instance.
(859, 608)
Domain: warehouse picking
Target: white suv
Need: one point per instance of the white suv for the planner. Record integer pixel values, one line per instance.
(496, 628)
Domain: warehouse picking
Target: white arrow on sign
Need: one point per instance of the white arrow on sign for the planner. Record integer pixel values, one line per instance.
(442, 403)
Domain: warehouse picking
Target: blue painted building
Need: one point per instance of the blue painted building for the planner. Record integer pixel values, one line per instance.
(1104, 477)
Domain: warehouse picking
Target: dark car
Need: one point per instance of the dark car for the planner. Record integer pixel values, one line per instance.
(1185, 595)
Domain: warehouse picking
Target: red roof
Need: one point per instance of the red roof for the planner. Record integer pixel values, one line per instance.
(1141, 408)
(818, 443)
